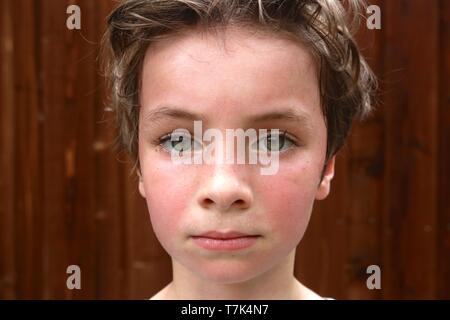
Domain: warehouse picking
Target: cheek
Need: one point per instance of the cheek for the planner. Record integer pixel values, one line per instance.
(288, 198)
(167, 195)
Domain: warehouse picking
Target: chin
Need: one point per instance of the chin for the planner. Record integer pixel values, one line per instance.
(228, 272)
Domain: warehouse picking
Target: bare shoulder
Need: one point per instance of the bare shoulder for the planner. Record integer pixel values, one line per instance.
(162, 294)
(309, 294)
(157, 296)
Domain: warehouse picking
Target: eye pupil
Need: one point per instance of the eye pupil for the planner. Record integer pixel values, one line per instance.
(175, 142)
(179, 144)
(272, 139)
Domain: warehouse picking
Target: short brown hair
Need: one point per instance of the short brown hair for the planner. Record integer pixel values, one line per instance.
(346, 83)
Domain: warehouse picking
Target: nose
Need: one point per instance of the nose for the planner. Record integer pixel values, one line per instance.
(225, 191)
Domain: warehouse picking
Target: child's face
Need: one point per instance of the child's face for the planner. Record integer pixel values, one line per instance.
(255, 76)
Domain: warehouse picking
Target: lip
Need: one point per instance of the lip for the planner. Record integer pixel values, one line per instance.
(224, 235)
(225, 241)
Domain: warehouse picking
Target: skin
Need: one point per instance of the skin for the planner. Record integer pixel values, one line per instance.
(229, 79)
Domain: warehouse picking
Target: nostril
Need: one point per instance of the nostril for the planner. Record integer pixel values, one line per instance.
(208, 201)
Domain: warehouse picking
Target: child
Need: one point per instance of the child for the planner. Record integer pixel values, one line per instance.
(289, 67)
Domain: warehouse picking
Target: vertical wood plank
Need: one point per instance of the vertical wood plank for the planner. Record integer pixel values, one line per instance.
(8, 267)
(366, 158)
(112, 272)
(409, 222)
(27, 139)
(443, 276)
(67, 82)
(81, 100)
(55, 181)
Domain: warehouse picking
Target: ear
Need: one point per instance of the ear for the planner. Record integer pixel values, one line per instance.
(325, 185)
(141, 184)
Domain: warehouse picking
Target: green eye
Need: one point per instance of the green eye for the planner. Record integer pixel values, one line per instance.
(274, 142)
(179, 141)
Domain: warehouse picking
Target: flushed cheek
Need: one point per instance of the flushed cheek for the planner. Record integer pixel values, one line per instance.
(288, 200)
(288, 214)
(167, 195)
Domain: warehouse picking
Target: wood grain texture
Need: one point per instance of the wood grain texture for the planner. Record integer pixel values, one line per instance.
(411, 163)
(443, 272)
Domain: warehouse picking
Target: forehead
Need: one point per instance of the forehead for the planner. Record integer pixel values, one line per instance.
(230, 74)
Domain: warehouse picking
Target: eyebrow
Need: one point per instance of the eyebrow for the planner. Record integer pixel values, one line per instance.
(284, 114)
(171, 112)
(289, 114)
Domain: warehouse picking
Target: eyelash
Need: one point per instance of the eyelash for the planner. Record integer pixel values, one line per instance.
(292, 139)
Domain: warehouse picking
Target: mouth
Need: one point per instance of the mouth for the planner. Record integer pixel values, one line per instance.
(225, 241)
